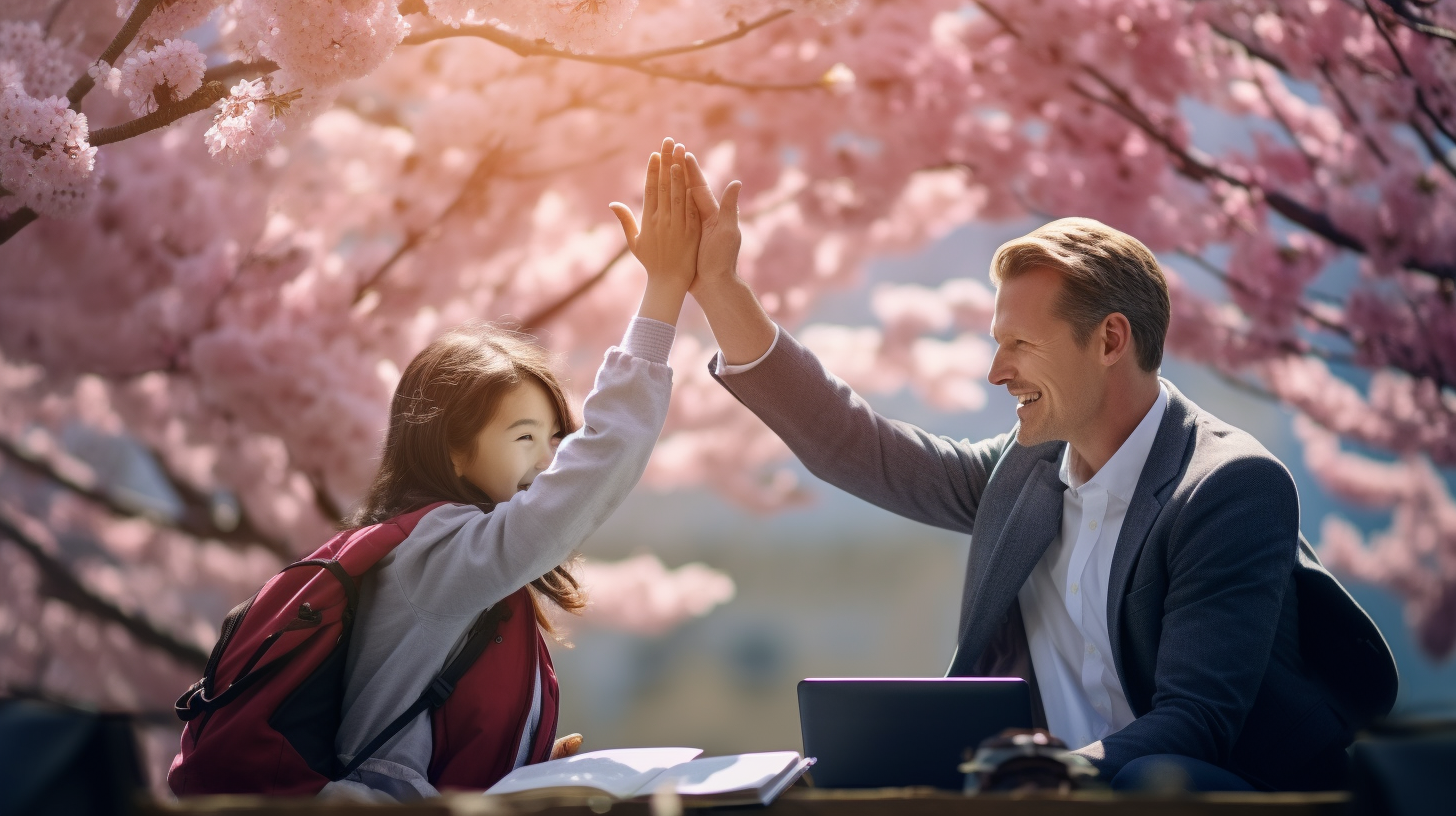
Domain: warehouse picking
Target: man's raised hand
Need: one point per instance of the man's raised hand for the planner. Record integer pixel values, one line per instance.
(721, 238)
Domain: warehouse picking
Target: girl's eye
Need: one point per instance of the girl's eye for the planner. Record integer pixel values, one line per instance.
(526, 438)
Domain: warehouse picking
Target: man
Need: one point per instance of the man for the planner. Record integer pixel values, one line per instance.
(1135, 559)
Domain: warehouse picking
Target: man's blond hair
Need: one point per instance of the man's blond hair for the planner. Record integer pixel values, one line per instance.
(1103, 271)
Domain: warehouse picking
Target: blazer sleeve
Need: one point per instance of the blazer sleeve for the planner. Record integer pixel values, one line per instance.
(1230, 557)
(839, 438)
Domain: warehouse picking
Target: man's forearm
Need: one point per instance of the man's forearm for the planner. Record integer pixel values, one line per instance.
(743, 329)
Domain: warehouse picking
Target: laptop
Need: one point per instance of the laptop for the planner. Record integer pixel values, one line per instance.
(892, 733)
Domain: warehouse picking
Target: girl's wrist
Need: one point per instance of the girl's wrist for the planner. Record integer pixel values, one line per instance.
(662, 300)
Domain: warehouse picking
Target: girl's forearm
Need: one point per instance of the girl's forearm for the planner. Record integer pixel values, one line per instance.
(662, 300)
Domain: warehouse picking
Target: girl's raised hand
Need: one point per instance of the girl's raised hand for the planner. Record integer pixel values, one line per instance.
(666, 241)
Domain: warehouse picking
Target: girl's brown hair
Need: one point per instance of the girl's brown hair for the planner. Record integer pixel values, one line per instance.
(446, 395)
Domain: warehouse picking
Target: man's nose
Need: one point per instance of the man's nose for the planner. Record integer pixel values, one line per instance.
(1001, 371)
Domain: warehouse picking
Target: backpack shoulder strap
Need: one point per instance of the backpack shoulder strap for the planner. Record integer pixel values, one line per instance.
(439, 690)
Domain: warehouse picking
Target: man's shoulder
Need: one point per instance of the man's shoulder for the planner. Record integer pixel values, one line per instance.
(1224, 454)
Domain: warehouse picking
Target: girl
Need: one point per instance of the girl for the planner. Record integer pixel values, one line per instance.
(480, 422)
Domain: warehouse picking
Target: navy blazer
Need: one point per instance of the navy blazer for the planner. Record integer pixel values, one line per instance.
(1233, 643)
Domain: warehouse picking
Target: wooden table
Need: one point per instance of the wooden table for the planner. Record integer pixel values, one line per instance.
(801, 802)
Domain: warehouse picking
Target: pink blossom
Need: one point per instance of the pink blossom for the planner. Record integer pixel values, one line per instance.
(174, 67)
(48, 66)
(245, 126)
(171, 18)
(580, 25)
(642, 595)
(328, 42)
(1417, 556)
(45, 160)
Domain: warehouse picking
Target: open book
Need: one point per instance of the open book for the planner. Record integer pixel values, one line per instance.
(629, 773)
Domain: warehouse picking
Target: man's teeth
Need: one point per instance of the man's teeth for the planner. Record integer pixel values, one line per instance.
(1027, 399)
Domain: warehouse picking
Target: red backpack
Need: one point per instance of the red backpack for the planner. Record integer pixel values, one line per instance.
(265, 714)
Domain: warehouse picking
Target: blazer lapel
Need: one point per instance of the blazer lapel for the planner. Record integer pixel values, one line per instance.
(1165, 461)
(1034, 521)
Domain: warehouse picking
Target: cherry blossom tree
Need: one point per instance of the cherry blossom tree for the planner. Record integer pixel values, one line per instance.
(227, 226)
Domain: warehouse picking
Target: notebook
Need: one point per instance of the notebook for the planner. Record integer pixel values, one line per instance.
(632, 773)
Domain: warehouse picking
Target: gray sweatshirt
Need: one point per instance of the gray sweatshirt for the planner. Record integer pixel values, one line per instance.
(417, 604)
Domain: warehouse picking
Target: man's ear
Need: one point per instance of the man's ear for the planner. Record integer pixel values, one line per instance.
(1116, 335)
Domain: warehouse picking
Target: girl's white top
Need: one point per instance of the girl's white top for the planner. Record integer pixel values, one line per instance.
(417, 604)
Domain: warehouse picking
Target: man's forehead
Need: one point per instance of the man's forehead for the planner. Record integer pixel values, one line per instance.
(1024, 302)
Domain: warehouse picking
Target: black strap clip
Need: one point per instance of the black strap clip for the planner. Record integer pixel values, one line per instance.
(439, 691)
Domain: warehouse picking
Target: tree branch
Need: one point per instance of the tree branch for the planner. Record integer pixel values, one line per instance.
(1251, 49)
(54, 14)
(1437, 155)
(1284, 124)
(123, 38)
(489, 160)
(1279, 65)
(633, 61)
(1228, 280)
(237, 69)
(195, 520)
(1200, 170)
(548, 313)
(1349, 109)
(998, 17)
(204, 98)
(543, 48)
(57, 581)
(12, 224)
(1407, 18)
(1420, 93)
(323, 501)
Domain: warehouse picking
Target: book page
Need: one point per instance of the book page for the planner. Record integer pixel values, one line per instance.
(713, 775)
(619, 772)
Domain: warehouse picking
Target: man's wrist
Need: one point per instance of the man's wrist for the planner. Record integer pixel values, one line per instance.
(743, 329)
(707, 286)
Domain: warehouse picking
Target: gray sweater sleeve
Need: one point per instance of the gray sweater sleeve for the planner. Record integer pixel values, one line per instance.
(460, 560)
(839, 438)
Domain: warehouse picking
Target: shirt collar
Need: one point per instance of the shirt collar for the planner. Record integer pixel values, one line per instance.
(1120, 475)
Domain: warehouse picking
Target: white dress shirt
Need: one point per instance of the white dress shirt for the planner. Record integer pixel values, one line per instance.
(1064, 601)
(722, 368)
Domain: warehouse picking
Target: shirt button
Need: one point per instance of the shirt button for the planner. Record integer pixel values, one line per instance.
(1093, 525)
(1091, 650)
(1074, 589)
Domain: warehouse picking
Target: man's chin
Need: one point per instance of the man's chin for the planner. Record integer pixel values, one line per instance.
(1030, 437)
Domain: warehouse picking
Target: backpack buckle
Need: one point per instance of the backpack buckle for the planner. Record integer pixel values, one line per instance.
(439, 691)
(185, 705)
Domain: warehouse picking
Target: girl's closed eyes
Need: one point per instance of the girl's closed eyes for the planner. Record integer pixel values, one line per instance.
(515, 446)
